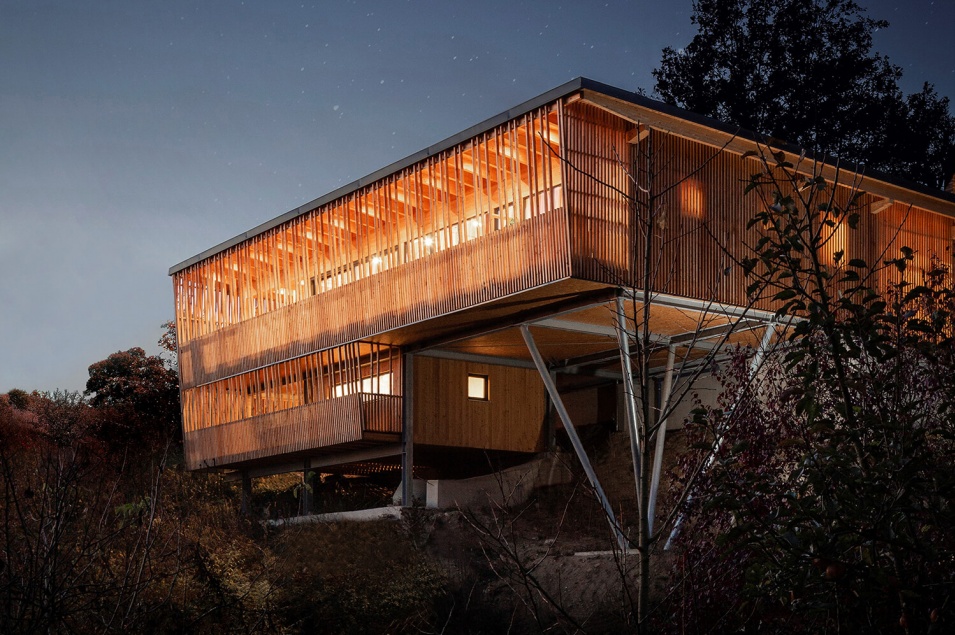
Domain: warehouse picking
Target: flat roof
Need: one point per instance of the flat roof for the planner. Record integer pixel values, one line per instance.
(564, 90)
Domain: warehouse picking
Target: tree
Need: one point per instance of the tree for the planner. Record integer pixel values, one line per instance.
(804, 71)
(81, 550)
(169, 343)
(138, 395)
(831, 504)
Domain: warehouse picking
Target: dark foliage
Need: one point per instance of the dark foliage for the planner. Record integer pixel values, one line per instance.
(831, 505)
(804, 71)
(137, 396)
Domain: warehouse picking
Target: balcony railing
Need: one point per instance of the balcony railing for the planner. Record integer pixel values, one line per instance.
(381, 413)
(297, 430)
(505, 262)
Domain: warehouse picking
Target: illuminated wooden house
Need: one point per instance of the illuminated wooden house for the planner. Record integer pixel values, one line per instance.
(405, 317)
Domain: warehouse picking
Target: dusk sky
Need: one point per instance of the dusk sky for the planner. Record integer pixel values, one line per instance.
(136, 134)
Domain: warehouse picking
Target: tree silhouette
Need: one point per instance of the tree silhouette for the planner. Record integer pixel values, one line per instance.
(138, 396)
(804, 71)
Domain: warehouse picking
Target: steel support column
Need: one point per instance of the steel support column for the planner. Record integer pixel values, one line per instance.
(572, 433)
(306, 489)
(623, 342)
(754, 367)
(246, 493)
(661, 437)
(407, 430)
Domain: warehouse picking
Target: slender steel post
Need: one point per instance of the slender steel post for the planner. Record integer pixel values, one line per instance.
(551, 427)
(246, 493)
(407, 430)
(306, 488)
(623, 343)
(661, 438)
(572, 433)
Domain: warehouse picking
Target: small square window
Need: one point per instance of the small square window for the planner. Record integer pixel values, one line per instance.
(477, 387)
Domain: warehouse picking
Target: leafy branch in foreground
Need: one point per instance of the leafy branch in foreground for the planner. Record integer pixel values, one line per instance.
(830, 505)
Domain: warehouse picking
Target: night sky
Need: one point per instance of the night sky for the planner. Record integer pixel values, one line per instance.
(135, 134)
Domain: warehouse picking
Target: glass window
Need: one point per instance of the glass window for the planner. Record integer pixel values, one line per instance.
(477, 387)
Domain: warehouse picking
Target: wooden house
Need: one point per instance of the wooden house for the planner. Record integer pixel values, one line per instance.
(431, 309)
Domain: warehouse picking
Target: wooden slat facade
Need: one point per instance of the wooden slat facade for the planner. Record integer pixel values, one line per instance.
(598, 187)
(698, 209)
(514, 259)
(499, 181)
(280, 332)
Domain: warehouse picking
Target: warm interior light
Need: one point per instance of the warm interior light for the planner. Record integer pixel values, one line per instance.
(477, 387)
(691, 198)
(835, 239)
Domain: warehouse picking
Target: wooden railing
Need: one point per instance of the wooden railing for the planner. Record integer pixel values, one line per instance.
(317, 425)
(513, 259)
(381, 413)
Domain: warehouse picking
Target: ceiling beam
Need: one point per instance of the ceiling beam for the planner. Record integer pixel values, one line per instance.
(700, 306)
(694, 337)
(575, 327)
(880, 206)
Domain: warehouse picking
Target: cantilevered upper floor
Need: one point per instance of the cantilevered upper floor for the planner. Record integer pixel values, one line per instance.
(304, 318)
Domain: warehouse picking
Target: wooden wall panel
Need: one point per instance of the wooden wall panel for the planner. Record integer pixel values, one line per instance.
(511, 419)
(930, 235)
(595, 144)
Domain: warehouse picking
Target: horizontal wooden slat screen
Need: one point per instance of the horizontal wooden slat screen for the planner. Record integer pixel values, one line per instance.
(514, 259)
(316, 425)
(311, 427)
